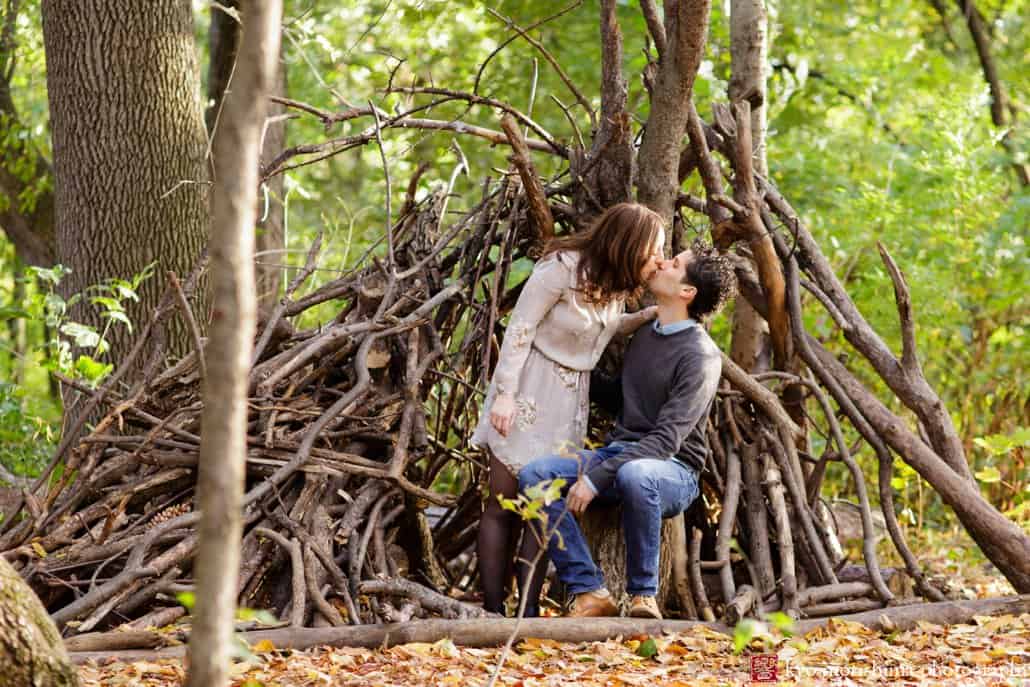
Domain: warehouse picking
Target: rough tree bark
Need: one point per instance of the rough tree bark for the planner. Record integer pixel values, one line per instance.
(31, 650)
(685, 29)
(602, 529)
(224, 424)
(129, 146)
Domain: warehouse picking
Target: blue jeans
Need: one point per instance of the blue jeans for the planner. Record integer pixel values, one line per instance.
(648, 490)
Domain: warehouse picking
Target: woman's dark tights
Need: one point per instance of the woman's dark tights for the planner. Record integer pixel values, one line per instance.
(529, 553)
(497, 529)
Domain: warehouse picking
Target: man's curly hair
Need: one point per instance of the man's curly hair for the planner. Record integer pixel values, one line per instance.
(713, 277)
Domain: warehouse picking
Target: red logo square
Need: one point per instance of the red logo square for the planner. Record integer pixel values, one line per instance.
(764, 668)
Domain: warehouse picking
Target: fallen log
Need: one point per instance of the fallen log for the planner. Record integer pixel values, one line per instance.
(107, 642)
(492, 632)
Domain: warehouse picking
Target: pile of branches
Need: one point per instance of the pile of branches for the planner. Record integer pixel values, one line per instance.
(354, 425)
(351, 424)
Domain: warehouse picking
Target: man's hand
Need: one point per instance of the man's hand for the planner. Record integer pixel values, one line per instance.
(502, 412)
(579, 497)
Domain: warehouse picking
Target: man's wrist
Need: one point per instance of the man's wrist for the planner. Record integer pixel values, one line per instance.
(590, 485)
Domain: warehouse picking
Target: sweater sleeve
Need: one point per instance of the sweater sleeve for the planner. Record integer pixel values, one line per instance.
(542, 290)
(694, 387)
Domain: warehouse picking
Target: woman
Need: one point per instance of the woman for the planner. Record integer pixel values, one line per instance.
(537, 403)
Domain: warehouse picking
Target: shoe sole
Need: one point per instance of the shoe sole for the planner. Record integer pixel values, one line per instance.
(641, 613)
(606, 613)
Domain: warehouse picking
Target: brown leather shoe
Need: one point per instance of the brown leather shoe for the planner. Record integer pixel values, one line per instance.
(593, 605)
(644, 607)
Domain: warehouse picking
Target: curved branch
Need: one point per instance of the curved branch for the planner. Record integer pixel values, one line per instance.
(909, 360)
(654, 25)
(297, 568)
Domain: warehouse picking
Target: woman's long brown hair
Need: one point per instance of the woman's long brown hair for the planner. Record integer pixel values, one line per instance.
(613, 251)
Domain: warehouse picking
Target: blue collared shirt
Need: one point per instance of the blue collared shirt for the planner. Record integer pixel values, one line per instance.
(673, 327)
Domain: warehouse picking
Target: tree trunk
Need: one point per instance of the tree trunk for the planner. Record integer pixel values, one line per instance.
(270, 240)
(750, 347)
(31, 650)
(686, 27)
(224, 425)
(270, 237)
(602, 529)
(129, 146)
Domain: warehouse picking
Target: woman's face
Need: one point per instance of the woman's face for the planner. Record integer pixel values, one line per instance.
(654, 257)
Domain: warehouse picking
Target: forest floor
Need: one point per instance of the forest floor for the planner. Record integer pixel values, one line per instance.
(992, 651)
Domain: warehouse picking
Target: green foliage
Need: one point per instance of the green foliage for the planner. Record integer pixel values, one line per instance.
(529, 504)
(67, 335)
(647, 649)
(27, 437)
(773, 629)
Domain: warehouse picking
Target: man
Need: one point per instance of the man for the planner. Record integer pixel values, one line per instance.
(657, 447)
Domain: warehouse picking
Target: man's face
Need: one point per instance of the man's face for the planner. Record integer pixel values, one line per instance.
(667, 280)
(654, 258)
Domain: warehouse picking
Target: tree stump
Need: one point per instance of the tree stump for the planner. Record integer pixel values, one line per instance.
(602, 529)
(31, 649)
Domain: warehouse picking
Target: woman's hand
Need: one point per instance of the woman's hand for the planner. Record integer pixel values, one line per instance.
(631, 322)
(502, 413)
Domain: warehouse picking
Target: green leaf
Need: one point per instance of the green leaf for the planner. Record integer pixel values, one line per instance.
(647, 648)
(989, 475)
(120, 317)
(83, 335)
(187, 599)
(258, 615)
(743, 633)
(92, 370)
(108, 302)
(52, 275)
(239, 649)
(782, 622)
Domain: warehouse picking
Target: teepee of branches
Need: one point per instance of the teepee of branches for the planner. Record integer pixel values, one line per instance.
(353, 422)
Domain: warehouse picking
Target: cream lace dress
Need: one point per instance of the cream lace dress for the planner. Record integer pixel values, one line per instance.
(554, 338)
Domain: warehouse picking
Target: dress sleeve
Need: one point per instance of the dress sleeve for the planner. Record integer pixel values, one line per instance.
(629, 322)
(543, 289)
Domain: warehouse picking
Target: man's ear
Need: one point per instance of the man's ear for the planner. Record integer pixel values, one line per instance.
(687, 294)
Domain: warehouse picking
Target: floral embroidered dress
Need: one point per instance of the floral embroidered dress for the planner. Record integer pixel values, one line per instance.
(554, 338)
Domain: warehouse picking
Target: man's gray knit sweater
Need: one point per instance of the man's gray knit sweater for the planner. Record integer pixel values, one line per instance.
(668, 383)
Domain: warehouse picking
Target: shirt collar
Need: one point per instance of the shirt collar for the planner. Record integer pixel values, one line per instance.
(673, 327)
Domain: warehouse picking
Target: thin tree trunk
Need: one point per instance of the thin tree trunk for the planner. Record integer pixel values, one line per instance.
(270, 241)
(223, 442)
(270, 238)
(751, 347)
(686, 27)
